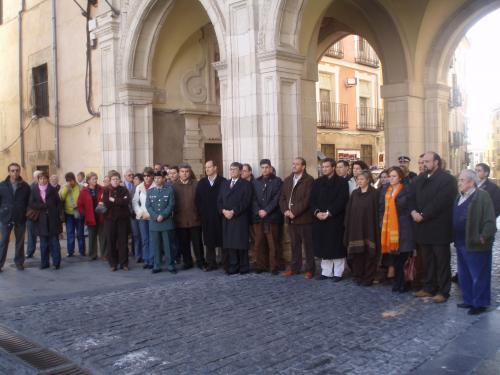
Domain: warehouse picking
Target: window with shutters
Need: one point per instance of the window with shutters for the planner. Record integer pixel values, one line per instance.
(40, 91)
(366, 154)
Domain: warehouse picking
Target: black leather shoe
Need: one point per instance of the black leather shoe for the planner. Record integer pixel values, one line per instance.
(156, 270)
(186, 267)
(463, 306)
(20, 267)
(476, 310)
(275, 272)
(336, 279)
(140, 260)
(44, 267)
(57, 267)
(174, 271)
(145, 266)
(322, 277)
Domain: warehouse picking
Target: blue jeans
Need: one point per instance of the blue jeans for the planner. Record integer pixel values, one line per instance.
(31, 238)
(50, 245)
(75, 225)
(147, 248)
(136, 238)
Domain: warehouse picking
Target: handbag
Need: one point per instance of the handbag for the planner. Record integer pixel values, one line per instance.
(32, 214)
(101, 209)
(410, 269)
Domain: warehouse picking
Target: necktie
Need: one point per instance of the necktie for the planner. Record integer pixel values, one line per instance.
(232, 184)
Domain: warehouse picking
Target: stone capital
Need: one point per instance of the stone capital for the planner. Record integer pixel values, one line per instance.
(402, 89)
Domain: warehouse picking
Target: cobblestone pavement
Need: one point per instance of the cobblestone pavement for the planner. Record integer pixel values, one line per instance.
(200, 323)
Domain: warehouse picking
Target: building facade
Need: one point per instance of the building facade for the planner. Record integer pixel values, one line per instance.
(123, 83)
(350, 115)
(492, 154)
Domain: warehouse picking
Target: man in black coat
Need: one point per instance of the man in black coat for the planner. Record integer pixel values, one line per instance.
(234, 203)
(267, 219)
(431, 206)
(207, 192)
(483, 172)
(14, 198)
(328, 201)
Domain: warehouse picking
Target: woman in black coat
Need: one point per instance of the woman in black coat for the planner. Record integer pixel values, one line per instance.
(405, 224)
(116, 199)
(45, 200)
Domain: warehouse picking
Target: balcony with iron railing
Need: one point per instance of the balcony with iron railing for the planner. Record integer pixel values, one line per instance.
(336, 50)
(332, 115)
(371, 119)
(365, 55)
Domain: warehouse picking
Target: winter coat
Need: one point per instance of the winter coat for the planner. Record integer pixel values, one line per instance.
(494, 192)
(332, 195)
(139, 202)
(49, 220)
(86, 206)
(235, 232)
(185, 211)
(296, 199)
(119, 208)
(433, 197)
(13, 206)
(266, 196)
(405, 221)
(211, 218)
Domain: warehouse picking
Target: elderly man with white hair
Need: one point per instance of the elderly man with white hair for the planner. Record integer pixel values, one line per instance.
(473, 234)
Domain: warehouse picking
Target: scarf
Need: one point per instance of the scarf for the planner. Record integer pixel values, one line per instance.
(390, 226)
(43, 191)
(147, 186)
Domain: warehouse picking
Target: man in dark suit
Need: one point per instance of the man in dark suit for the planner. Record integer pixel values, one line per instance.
(483, 172)
(207, 193)
(14, 198)
(234, 203)
(431, 206)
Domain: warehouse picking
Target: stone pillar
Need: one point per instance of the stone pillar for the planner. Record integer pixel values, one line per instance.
(192, 150)
(436, 119)
(404, 122)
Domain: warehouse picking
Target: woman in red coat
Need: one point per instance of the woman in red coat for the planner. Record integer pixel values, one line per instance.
(88, 201)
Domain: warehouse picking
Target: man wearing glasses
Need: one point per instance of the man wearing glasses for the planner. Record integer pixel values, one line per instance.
(14, 196)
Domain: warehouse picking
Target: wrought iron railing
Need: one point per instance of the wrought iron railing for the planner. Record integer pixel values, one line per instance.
(370, 119)
(332, 115)
(336, 50)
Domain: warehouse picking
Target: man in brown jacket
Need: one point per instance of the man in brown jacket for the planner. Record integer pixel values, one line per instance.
(187, 219)
(294, 203)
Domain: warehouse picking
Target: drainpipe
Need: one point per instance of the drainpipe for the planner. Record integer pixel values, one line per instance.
(56, 83)
(20, 62)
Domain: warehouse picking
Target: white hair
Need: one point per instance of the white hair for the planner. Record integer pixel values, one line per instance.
(470, 175)
(36, 173)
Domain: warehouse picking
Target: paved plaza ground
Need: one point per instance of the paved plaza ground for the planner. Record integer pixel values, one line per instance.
(209, 323)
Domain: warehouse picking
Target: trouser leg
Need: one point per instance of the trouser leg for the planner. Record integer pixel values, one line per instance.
(80, 234)
(430, 268)
(464, 276)
(169, 261)
(195, 236)
(225, 259)
(480, 270)
(399, 267)
(156, 243)
(442, 254)
(327, 267)
(122, 242)
(19, 230)
(55, 250)
(31, 238)
(136, 238)
(211, 257)
(111, 238)
(244, 262)
(5, 230)
(147, 248)
(273, 245)
(44, 252)
(70, 233)
(296, 247)
(234, 262)
(338, 267)
(307, 239)
(92, 231)
(260, 248)
(370, 268)
(185, 246)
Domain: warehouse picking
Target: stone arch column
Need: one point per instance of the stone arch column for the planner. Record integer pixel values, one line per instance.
(127, 45)
(438, 60)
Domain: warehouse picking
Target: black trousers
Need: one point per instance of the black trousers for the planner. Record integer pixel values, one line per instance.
(437, 269)
(238, 261)
(301, 235)
(188, 237)
(117, 241)
(364, 266)
(5, 230)
(399, 261)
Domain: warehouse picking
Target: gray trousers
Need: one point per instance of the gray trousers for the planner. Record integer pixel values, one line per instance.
(96, 234)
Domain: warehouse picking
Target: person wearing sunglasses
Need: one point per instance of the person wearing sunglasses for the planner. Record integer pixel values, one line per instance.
(14, 198)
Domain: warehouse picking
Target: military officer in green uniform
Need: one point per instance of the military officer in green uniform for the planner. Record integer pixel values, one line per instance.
(160, 203)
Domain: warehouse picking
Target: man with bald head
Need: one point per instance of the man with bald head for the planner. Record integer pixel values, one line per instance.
(431, 207)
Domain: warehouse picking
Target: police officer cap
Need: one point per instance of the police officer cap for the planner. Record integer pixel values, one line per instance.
(160, 173)
(404, 158)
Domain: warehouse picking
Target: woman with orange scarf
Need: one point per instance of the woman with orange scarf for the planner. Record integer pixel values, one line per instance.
(396, 236)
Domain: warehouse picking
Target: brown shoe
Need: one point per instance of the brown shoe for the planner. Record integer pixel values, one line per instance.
(125, 268)
(423, 294)
(113, 269)
(308, 275)
(289, 273)
(439, 298)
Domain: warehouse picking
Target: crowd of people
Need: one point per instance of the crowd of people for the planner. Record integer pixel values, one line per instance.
(400, 228)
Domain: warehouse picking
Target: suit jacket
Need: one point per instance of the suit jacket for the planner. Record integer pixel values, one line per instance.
(13, 205)
(296, 199)
(433, 197)
(186, 214)
(211, 218)
(235, 232)
(266, 196)
(160, 201)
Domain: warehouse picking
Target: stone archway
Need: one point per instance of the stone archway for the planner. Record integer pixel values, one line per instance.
(127, 47)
